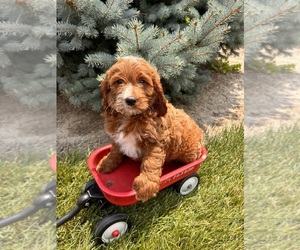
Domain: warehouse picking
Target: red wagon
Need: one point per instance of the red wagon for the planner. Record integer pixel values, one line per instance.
(116, 188)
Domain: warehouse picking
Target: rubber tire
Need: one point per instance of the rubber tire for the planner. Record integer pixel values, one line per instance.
(193, 180)
(88, 185)
(106, 225)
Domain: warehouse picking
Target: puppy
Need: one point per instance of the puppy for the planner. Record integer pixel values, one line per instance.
(143, 125)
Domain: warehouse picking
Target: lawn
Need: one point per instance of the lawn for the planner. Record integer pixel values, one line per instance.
(272, 190)
(209, 218)
(21, 180)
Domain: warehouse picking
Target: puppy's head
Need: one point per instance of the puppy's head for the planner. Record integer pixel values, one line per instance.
(132, 87)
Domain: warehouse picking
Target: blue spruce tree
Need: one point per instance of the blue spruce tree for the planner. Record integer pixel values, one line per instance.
(81, 30)
(271, 28)
(28, 51)
(176, 37)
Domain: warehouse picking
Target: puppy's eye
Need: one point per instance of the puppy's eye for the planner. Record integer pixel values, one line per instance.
(141, 81)
(119, 81)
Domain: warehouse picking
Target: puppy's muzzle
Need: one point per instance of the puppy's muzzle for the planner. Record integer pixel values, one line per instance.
(131, 101)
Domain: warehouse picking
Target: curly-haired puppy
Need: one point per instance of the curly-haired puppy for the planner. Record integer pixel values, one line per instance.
(143, 125)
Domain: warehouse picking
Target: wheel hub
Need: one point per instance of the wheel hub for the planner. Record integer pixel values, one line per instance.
(115, 233)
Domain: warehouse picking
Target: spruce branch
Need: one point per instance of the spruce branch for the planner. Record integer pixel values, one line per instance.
(259, 35)
(120, 32)
(204, 53)
(109, 5)
(135, 29)
(10, 28)
(169, 66)
(216, 36)
(51, 59)
(210, 14)
(100, 60)
(115, 8)
(13, 46)
(152, 30)
(88, 21)
(269, 19)
(66, 29)
(233, 11)
(162, 48)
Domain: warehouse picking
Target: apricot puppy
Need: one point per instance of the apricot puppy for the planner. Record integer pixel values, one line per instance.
(143, 125)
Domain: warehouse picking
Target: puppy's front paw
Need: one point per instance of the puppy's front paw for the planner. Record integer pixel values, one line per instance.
(105, 165)
(145, 188)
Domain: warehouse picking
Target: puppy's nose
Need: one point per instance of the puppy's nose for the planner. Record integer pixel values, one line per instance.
(130, 101)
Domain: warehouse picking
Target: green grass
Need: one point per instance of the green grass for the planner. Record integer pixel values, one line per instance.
(272, 190)
(210, 218)
(21, 180)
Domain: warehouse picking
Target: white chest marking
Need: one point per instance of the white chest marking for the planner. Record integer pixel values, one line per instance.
(128, 144)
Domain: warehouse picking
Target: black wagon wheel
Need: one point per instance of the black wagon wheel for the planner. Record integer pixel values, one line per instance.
(112, 227)
(188, 184)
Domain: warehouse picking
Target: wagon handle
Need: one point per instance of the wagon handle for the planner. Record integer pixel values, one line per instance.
(46, 199)
(84, 201)
(73, 212)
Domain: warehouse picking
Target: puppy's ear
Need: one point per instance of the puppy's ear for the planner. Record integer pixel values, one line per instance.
(160, 102)
(105, 89)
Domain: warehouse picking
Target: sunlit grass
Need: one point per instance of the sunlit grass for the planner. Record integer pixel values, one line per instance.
(21, 180)
(210, 218)
(272, 190)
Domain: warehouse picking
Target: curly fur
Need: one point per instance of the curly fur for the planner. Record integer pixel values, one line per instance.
(143, 125)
